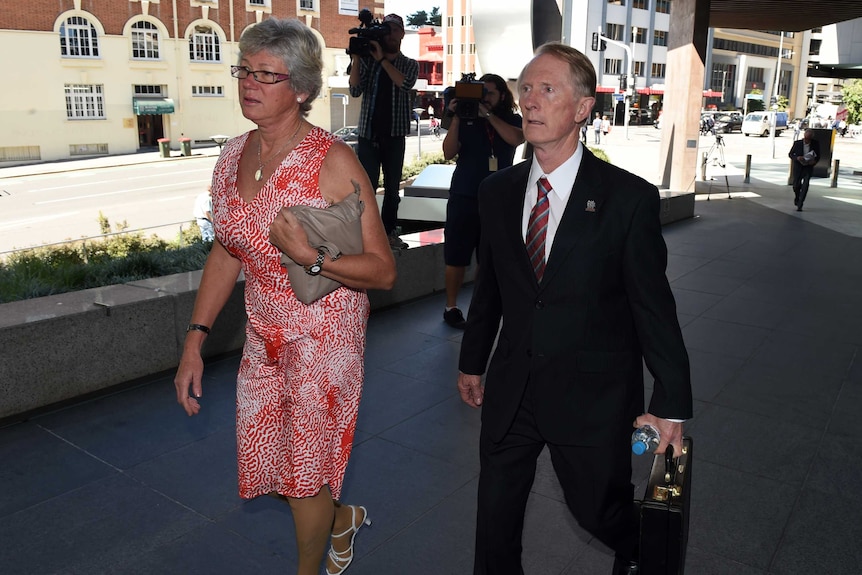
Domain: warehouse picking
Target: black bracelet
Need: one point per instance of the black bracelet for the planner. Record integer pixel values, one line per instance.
(198, 327)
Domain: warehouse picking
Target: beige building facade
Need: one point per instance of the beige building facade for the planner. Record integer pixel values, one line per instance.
(114, 76)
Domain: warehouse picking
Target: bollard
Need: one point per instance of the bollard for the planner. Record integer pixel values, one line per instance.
(703, 168)
(834, 183)
(747, 179)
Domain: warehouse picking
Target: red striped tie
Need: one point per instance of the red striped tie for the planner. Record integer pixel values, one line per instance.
(537, 228)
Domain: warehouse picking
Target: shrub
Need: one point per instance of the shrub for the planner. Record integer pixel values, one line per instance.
(115, 259)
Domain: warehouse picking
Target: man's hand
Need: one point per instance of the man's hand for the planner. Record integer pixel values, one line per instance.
(375, 49)
(669, 432)
(470, 388)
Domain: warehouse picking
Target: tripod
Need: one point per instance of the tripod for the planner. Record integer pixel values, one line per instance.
(716, 154)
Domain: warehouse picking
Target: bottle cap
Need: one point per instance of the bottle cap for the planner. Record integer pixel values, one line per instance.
(639, 447)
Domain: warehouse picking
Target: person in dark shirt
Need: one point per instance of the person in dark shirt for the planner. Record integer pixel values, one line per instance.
(483, 145)
(385, 79)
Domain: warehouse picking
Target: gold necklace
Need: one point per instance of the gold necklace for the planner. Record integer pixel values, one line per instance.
(259, 173)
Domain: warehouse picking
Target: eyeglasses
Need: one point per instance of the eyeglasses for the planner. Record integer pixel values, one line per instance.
(261, 76)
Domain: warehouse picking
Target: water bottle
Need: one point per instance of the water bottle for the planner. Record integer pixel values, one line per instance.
(645, 439)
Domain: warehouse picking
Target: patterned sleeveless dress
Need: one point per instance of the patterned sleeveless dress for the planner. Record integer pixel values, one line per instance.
(300, 377)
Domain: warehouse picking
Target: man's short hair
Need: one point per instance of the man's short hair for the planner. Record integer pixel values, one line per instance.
(583, 73)
(396, 24)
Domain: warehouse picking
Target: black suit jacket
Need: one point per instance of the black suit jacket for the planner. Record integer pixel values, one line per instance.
(603, 305)
(797, 150)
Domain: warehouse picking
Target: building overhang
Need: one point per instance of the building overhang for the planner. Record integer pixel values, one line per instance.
(152, 106)
(786, 15)
(835, 71)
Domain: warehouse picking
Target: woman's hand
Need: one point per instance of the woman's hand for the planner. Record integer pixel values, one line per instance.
(188, 382)
(287, 234)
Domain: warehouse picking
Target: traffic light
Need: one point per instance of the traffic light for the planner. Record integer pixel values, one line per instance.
(623, 82)
(596, 45)
(810, 90)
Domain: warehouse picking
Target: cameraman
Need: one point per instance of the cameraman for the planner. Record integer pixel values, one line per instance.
(386, 78)
(483, 145)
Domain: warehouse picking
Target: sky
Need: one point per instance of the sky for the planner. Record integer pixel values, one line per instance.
(405, 7)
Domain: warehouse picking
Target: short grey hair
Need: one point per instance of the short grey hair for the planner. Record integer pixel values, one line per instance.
(297, 46)
(583, 74)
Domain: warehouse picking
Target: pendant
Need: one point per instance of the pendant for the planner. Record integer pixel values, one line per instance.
(258, 175)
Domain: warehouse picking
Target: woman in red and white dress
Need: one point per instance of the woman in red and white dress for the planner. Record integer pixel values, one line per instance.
(301, 373)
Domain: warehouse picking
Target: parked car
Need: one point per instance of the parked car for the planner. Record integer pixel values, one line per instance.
(348, 134)
(758, 123)
(640, 117)
(727, 123)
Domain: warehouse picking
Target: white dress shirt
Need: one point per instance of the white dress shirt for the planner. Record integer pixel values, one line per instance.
(562, 180)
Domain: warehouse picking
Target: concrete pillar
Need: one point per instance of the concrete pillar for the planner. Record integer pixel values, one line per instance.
(683, 94)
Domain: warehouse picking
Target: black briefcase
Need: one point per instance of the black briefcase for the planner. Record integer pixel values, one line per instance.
(664, 514)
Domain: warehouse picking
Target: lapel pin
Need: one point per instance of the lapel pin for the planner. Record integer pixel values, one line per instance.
(591, 206)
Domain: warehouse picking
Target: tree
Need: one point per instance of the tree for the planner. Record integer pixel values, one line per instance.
(423, 18)
(418, 18)
(435, 18)
(852, 95)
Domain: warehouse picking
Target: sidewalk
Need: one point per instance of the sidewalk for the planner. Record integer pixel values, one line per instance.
(769, 301)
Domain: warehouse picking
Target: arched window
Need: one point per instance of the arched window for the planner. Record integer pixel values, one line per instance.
(204, 45)
(78, 38)
(145, 41)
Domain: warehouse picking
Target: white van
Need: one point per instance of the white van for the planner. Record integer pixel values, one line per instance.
(757, 123)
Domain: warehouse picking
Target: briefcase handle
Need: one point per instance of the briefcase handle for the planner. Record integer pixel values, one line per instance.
(669, 466)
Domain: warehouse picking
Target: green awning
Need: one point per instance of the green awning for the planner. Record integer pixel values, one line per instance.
(152, 106)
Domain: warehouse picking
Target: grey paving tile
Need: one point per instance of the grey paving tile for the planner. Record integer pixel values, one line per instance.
(440, 542)
(390, 398)
(448, 431)
(436, 364)
(736, 515)
(822, 536)
(201, 475)
(837, 468)
(781, 393)
(679, 265)
(710, 372)
(702, 281)
(732, 339)
(693, 302)
(781, 450)
(38, 466)
(139, 424)
(699, 562)
(397, 485)
(268, 523)
(93, 529)
(768, 315)
(812, 356)
(845, 419)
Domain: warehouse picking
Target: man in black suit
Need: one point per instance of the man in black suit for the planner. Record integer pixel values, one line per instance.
(804, 153)
(578, 316)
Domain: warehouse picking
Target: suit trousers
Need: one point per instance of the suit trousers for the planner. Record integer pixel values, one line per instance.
(596, 482)
(388, 153)
(801, 179)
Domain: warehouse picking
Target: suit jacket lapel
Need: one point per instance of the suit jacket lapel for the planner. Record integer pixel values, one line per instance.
(581, 214)
(513, 212)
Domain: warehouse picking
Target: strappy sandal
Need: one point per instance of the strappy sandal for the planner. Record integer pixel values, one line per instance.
(342, 559)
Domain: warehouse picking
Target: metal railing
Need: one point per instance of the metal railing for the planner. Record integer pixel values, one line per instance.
(100, 237)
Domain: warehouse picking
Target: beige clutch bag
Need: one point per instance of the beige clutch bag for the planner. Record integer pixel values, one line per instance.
(336, 229)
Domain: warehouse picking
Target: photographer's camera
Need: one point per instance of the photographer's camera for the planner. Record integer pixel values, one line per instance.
(469, 93)
(369, 29)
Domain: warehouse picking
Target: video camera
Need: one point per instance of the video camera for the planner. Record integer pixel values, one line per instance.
(369, 29)
(469, 92)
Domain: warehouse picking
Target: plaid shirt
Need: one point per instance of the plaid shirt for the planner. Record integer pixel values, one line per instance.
(402, 98)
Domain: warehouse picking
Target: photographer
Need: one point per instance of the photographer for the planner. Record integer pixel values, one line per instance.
(385, 77)
(484, 140)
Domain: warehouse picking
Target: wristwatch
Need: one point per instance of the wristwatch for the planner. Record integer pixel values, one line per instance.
(317, 267)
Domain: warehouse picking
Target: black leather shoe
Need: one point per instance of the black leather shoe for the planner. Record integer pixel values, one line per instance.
(625, 567)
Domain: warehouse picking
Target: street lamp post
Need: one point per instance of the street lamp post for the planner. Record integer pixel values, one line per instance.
(629, 78)
(774, 107)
